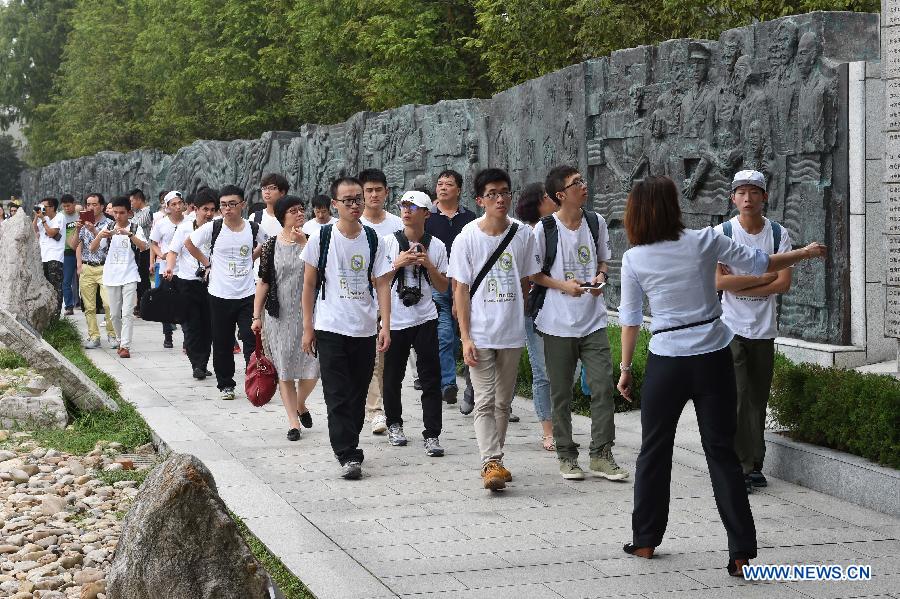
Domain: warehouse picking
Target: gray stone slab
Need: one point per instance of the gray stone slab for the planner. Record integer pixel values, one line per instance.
(617, 586)
(513, 591)
(335, 575)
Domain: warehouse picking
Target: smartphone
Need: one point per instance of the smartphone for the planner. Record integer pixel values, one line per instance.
(593, 285)
(86, 216)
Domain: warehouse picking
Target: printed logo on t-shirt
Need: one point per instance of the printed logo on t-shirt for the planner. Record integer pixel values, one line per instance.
(501, 283)
(584, 254)
(119, 249)
(352, 283)
(245, 251)
(357, 262)
(576, 263)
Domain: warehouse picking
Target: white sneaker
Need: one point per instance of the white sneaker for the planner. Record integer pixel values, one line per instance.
(113, 342)
(92, 343)
(379, 424)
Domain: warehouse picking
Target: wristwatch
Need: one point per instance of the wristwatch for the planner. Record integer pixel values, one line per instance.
(625, 368)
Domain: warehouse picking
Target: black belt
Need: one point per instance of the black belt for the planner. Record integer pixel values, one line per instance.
(92, 263)
(685, 326)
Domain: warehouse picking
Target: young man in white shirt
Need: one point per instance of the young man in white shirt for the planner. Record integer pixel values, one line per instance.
(273, 187)
(120, 274)
(572, 320)
(340, 316)
(321, 207)
(234, 244)
(749, 309)
(160, 237)
(420, 264)
(375, 192)
(181, 268)
(491, 261)
(49, 224)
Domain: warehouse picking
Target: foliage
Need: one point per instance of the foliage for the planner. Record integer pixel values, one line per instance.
(124, 426)
(113, 476)
(10, 168)
(10, 359)
(842, 409)
(290, 586)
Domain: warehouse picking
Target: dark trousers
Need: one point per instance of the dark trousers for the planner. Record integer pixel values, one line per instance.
(707, 379)
(167, 327)
(422, 338)
(754, 363)
(53, 272)
(224, 315)
(144, 269)
(345, 365)
(197, 327)
(69, 289)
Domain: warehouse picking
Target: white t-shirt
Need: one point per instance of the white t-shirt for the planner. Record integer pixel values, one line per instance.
(753, 317)
(403, 317)
(51, 249)
(576, 258)
(120, 267)
(498, 308)
(162, 232)
(390, 224)
(347, 308)
(231, 276)
(312, 227)
(186, 265)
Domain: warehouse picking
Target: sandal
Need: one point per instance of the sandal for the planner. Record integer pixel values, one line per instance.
(548, 443)
(735, 567)
(645, 552)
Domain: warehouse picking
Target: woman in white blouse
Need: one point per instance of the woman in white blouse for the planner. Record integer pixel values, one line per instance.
(688, 359)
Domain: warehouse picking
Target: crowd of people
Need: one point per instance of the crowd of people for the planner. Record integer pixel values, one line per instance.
(357, 296)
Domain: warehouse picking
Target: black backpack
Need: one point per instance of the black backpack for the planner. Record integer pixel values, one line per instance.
(551, 237)
(404, 247)
(325, 242)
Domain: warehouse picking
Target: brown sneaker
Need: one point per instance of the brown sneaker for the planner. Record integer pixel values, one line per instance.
(124, 353)
(492, 476)
(507, 475)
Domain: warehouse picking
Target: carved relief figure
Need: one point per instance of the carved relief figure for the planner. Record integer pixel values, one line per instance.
(817, 98)
(698, 117)
(781, 89)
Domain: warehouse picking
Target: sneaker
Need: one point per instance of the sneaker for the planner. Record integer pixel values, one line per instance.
(92, 343)
(113, 342)
(513, 417)
(69, 312)
(449, 394)
(433, 447)
(351, 471)
(306, 419)
(570, 470)
(228, 393)
(417, 385)
(124, 353)
(235, 350)
(605, 465)
(293, 434)
(467, 404)
(379, 424)
(492, 476)
(396, 436)
(167, 342)
(507, 475)
(758, 479)
(199, 374)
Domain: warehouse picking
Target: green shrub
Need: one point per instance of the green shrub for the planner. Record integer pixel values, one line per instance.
(10, 359)
(841, 409)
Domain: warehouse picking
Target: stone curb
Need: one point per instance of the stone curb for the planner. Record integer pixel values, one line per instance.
(834, 473)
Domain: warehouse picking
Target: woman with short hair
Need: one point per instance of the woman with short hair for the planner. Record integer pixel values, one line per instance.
(689, 358)
(279, 290)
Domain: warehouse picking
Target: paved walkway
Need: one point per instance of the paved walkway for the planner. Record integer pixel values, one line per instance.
(424, 528)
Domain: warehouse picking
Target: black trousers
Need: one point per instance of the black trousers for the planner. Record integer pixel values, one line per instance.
(224, 315)
(197, 331)
(144, 270)
(707, 379)
(345, 365)
(53, 272)
(423, 338)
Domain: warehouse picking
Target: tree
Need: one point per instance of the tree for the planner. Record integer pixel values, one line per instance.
(10, 168)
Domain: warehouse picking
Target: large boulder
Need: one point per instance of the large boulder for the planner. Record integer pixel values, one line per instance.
(178, 541)
(24, 290)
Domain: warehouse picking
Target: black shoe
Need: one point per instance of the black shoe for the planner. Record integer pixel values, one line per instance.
(305, 419)
(748, 484)
(207, 372)
(758, 479)
(513, 417)
(293, 434)
(167, 343)
(417, 385)
(199, 374)
(449, 394)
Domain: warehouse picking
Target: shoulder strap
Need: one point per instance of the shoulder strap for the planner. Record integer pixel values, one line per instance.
(254, 231)
(776, 236)
(372, 238)
(216, 230)
(593, 224)
(726, 228)
(551, 239)
(426, 240)
(256, 217)
(324, 242)
(513, 228)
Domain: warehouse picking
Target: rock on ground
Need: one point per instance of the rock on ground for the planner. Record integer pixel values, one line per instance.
(24, 290)
(179, 542)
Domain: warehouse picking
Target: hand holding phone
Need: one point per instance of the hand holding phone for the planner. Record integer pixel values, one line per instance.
(592, 286)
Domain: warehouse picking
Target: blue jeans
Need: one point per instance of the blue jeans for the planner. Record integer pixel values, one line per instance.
(448, 340)
(68, 279)
(157, 279)
(540, 384)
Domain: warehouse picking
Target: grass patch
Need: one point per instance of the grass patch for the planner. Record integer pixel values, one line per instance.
(10, 359)
(124, 426)
(289, 584)
(114, 476)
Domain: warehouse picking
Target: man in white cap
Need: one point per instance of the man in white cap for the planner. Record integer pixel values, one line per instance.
(420, 265)
(160, 238)
(748, 308)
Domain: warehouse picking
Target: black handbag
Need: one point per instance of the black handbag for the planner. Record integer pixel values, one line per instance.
(164, 304)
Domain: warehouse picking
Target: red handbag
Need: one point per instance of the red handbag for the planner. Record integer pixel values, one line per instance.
(261, 378)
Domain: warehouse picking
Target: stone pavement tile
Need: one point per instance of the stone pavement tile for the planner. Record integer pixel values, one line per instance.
(880, 584)
(395, 552)
(429, 565)
(231, 473)
(311, 506)
(539, 527)
(353, 514)
(886, 548)
(468, 547)
(463, 520)
(335, 575)
(747, 591)
(255, 501)
(663, 562)
(529, 574)
(424, 583)
(589, 537)
(171, 425)
(619, 586)
(382, 539)
(420, 498)
(553, 555)
(288, 535)
(202, 449)
(529, 591)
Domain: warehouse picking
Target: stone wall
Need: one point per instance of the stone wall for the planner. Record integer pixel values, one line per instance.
(771, 96)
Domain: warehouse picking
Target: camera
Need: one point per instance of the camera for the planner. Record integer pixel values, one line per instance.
(38, 207)
(410, 296)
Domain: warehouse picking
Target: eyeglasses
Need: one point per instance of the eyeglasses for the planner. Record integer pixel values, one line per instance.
(579, 181)
(295, 210)
(348, 202)
(269, 188)
(410, 206)
(496, 195)
(230, 204)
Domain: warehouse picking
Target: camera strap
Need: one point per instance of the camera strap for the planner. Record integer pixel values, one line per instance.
(400, 275)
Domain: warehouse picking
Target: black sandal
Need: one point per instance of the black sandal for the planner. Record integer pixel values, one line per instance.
(305, 419)
(632, 550)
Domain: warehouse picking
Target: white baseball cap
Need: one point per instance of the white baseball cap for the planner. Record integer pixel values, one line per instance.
(418, 198)
(749, 178)
(171, 196)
